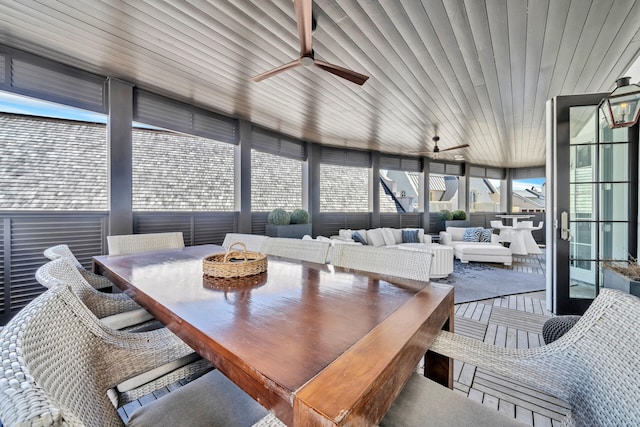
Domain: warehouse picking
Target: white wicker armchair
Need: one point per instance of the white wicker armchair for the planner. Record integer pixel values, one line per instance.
(61, 367)
(305, 250)
(116, 311)
(414, 265)
(135, 243)
(594, 367)
(63, 251)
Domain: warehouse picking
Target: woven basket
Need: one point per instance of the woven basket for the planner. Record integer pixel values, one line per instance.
(234, 263)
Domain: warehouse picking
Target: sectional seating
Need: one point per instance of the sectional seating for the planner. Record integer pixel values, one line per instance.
(389, 237)
(466, 249)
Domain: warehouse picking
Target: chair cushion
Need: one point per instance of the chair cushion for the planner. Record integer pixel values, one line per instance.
(211, 400)
(423, 402)
(477, 248)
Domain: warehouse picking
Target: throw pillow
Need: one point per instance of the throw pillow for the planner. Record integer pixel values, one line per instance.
(485, 235)
(375, 237)
(358, 238)
(345, 234)
(471, 234)
(389, 238)
(410, 236)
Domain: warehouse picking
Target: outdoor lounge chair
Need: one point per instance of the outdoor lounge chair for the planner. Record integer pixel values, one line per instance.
(135, 243)
(593, 367)
(63, 251)
(63, 367)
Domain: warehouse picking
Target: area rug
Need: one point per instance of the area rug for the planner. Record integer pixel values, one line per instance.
(477, 281)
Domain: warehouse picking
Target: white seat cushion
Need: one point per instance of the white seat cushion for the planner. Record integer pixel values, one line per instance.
(482, 249)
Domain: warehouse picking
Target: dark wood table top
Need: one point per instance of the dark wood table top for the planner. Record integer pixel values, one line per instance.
(318, 344)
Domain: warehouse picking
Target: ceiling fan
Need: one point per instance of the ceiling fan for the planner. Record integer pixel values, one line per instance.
(436, 150)
(307, 55)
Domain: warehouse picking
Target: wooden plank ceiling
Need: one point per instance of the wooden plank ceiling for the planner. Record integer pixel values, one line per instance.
(479, 72)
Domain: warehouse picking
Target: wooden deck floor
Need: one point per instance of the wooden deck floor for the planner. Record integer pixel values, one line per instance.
(513, 321)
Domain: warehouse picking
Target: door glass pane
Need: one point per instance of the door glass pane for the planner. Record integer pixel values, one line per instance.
(582, 201)
(612, 135)
(614, 199)
(613, 162)
(614, 241)
(582, 279)
(582, 124)
(582, 163)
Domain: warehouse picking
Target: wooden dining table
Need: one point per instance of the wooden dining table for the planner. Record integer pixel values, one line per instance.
(317, 344)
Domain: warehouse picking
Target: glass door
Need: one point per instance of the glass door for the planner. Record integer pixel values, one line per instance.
(593, 203)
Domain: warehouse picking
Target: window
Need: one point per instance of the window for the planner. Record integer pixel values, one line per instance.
(443, 192)
(276, 182)
(344, 188)
(52, 164)
(486, 195)
(528, 195)
(178, 172)
(399, 191)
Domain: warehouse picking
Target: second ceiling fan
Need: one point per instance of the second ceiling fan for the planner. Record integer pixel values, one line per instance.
(304, 17)
(436, 150)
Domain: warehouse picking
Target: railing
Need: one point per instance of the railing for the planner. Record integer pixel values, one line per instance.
(25, 235)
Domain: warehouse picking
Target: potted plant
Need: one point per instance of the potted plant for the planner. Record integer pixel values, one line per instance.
(457, 218)
(281, 223)
(622, 275)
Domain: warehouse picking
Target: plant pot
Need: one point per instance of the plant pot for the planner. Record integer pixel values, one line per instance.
(291, 231)
(457, 223)
(614, 280)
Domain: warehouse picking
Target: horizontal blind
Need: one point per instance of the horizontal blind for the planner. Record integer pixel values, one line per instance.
(343, 157)
(525, 173)
(277, 144)
(445, 168)
(40, 78)
(482, 172)
(408, 164)
(166, 113)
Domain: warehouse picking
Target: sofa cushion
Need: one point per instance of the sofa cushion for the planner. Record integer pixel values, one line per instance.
(397, 234)
(472, 234)
(389, 237)
(345, 234)
(485, 235)
(375, 237)
(357, 237)
(410, 236)
(456, 233)
(478, 248)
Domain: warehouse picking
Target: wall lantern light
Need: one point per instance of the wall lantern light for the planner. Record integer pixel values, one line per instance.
(622, 107)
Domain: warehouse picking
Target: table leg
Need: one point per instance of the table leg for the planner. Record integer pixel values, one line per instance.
(437, 367)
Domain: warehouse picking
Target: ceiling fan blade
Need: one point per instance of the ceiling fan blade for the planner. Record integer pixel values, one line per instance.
(277, 70)
(352, 76)
(304, 16)
(455, 148)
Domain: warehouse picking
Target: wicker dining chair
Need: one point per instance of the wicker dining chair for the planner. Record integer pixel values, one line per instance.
(135, 243)
(62, 367)
(116, 311)
(304, 250)
(253, 242)
(63, 251)
(414, 265)
(593, 367)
